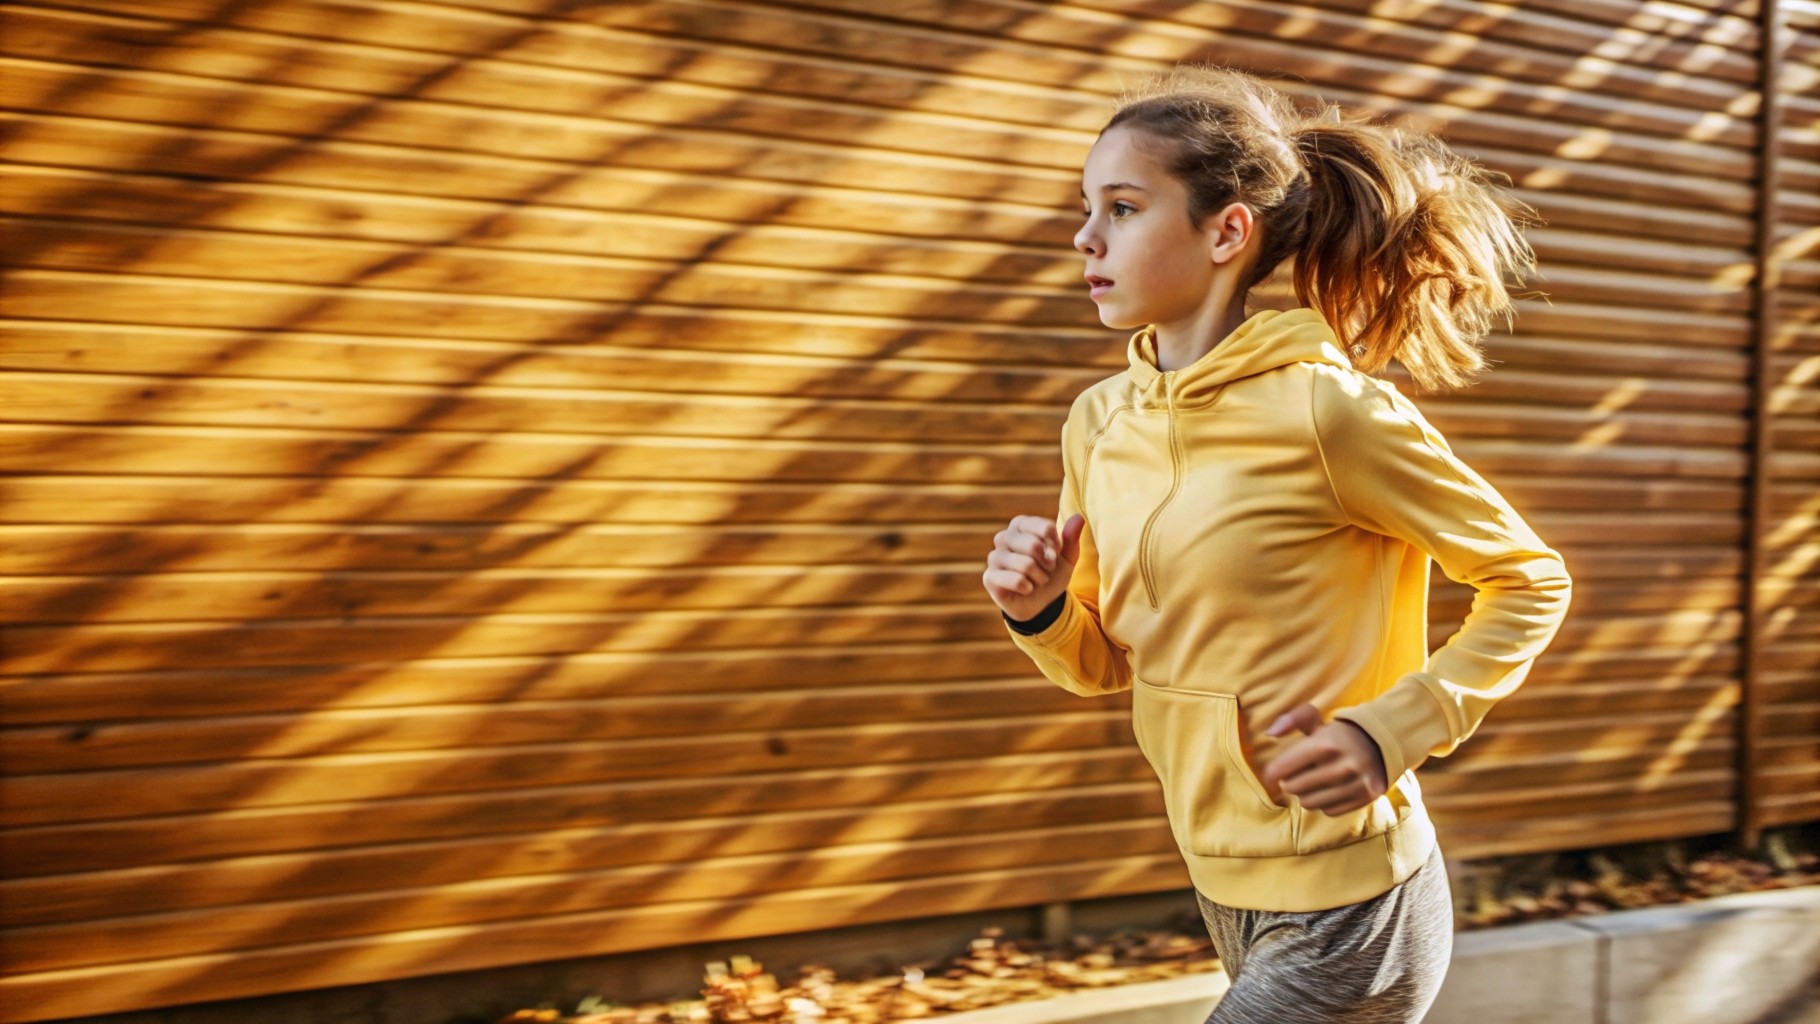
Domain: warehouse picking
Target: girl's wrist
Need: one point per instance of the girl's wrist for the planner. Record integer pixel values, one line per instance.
(1376, 751)
(1041, 620)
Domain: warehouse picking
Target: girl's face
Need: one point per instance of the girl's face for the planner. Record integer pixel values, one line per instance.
(1137, 235)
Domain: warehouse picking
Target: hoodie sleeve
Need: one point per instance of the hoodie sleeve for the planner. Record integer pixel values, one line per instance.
(1072, 650)
(1394, 474)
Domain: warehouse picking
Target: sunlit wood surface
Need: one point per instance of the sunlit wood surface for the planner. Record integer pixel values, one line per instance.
(485, 484)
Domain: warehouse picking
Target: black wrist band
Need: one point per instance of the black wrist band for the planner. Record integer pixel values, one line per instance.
(1043, 619)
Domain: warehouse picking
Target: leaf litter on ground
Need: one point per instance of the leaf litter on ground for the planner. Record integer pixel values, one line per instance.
(994, 970)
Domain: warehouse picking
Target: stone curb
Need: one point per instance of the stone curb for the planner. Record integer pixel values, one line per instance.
(1747, 958)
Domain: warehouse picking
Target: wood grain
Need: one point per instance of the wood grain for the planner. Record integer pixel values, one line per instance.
(480, 486)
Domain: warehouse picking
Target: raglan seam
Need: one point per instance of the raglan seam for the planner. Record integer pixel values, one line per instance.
(1444, 457)
(1377, 550)
(1447, 459)
(1104, 426)
(1314, 424)
(1079, 476)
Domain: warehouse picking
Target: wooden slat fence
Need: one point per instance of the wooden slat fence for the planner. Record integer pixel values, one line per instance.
(490, 481)
(1784, 693)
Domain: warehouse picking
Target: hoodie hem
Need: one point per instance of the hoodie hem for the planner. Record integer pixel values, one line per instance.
(1321, 880)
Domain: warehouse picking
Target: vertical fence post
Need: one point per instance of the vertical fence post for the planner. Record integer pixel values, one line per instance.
(1764, 285)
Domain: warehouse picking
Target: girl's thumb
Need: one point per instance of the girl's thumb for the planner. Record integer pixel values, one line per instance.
(1071, 537)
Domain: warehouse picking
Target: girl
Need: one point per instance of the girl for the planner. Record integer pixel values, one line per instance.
(1247, 517)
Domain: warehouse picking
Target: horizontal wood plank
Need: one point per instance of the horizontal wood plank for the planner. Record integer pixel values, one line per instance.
(195, 597)
(280, 642)
(28, 551)
(108, 845)
(626, 221)
(773, 710)
(272, 782)
(1652, 375)
(191, 692)
(382, 866)
(948, 191)
(1661, 278)
(80, 398)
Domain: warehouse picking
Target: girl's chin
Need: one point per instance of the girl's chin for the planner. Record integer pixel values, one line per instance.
(1119, 321)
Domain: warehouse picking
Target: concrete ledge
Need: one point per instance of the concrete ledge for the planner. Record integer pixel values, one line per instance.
(1175, 1001)
(1749, 958)
(1544, 971)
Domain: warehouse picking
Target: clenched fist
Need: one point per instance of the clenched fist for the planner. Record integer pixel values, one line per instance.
(1031, 563)
(1336, 768)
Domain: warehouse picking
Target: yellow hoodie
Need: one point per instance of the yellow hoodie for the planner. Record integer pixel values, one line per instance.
(1258, 532)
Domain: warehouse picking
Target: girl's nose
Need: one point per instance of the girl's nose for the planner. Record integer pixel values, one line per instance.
(1085, 241)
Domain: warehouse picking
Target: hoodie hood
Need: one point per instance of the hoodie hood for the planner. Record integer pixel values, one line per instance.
(1271, 338)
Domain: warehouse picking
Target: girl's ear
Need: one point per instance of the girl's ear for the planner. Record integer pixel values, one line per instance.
(1230, 232)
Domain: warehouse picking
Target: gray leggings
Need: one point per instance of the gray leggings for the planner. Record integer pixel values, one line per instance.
(1376, 962)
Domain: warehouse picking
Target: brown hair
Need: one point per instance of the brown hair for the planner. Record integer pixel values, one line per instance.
(1400, 243)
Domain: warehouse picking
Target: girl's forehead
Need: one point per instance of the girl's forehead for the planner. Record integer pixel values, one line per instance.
(1113, 158)
(1114, 145)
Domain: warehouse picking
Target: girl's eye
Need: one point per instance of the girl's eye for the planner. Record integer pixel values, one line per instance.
(1116, 208)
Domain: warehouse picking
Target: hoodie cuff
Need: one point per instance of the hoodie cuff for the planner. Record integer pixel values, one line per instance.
(1054, 635)
(1041, 620)
(1407, 722)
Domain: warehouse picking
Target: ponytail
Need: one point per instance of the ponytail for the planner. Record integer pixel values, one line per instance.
(1406, 248)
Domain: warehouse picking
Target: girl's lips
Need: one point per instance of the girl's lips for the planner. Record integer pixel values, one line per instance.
(1098, 286)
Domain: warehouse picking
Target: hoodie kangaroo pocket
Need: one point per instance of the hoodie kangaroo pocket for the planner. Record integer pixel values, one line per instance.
(1317, 830)
(1216, 805)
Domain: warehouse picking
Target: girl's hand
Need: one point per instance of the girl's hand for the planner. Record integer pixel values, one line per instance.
(1336, 769)
(1031, 562)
